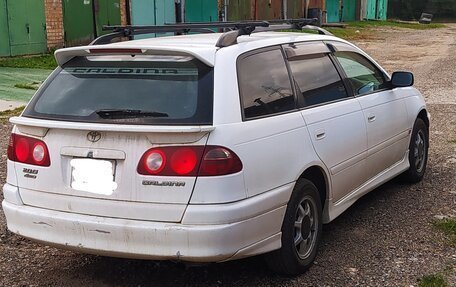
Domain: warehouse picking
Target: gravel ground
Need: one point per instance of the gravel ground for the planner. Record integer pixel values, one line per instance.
(385, 239)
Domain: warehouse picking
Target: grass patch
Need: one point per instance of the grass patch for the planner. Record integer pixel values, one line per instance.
(360, 30)
(351, 33)
(452, 141)
(448, 226)
(435, 280)
(28, 86)
(398, 24)
(5, 115)
(46, 61)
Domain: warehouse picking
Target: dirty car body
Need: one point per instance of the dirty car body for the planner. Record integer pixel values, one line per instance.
(174, 149)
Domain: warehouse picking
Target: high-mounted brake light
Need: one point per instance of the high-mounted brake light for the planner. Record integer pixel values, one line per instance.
(115, 51)
(28, 150)
(189, 161)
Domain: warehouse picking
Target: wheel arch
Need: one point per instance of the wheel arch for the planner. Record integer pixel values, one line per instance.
(318, 176)
(423, 114)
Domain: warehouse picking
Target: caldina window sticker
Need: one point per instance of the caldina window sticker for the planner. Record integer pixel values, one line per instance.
(131, 71)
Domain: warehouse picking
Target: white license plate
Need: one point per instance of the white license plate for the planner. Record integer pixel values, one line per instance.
(93, 175)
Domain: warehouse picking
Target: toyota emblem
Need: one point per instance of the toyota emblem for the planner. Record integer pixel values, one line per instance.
(93, 136)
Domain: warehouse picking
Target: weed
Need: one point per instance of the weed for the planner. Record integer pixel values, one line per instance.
(447, 225)
(434, 280)
(46, 61)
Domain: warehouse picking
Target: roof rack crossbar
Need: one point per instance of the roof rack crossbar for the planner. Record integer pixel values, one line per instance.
(129, 32)
(235, 29)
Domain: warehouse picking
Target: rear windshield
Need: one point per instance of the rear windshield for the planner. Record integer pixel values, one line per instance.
(155, 90)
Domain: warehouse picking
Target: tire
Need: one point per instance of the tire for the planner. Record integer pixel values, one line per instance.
(305, 207)
(418, 152)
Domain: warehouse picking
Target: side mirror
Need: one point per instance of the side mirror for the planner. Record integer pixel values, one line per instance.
(402, 79)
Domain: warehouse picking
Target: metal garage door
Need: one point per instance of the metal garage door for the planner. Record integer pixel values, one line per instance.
(201, 11)
(27, 26)
(78, 22)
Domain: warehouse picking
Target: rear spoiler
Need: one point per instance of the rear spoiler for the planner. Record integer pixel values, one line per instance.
(50, 124)
(204, 54)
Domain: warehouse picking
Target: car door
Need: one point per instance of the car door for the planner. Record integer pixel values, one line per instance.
(334, 119)
(384, 110)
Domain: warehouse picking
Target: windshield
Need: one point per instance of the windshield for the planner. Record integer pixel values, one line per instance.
(128, 90)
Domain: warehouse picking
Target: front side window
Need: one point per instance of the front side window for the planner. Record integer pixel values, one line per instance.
(264, 84)
(317, 79)
(158, 90)
(362, 75)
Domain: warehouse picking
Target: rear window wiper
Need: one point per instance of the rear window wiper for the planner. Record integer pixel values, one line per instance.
(127, 113)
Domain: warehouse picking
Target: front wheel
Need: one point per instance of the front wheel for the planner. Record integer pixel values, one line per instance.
(301, 231)
(418, 152)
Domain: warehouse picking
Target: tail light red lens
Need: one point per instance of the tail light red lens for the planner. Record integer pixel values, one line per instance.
(28, 150)
(184, 161)
(189, 161)
(219, 161)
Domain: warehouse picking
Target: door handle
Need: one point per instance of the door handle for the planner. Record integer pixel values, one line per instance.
(320, 134)
(371, 118)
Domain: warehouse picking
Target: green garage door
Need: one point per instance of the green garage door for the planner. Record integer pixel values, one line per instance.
(349, 10)
(4, 34)
(107, 12)
(27, 26)
(201, 11)
(332, 11)
(382, 7)
(152, 12)
(78, 22)
(371, 10)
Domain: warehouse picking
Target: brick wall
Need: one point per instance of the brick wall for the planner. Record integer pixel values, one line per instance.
(123, 12)
(54, 23)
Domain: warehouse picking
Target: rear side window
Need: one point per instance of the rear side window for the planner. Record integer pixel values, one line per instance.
(317, 79)
(128, 90)
(364, 77)
(264, 84)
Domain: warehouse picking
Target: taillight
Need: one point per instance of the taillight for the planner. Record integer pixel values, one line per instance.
(28, 150)
(189, 161)
(219, 161)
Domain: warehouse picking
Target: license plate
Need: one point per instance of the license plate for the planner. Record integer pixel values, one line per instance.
(93, 175)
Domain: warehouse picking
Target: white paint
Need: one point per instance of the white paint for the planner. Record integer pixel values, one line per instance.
(210, 218)
(92, 175)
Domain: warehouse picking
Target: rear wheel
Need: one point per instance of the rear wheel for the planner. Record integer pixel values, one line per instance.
(418, 152)
(301, 231)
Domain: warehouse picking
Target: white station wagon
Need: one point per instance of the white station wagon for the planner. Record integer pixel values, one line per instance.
(209, 147)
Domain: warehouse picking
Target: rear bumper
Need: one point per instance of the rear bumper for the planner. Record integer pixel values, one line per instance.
(148, 240)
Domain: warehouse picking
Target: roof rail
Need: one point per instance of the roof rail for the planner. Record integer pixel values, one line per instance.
(320, 30)
(228, 38)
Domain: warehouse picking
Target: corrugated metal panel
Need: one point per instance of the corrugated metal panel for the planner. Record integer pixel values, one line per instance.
(295, 9)
(317, 4)
(4, 33)
(201, 11)
(268, 9)
(78, 22)
(241, 10)
(27, 26)
(348, 10)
